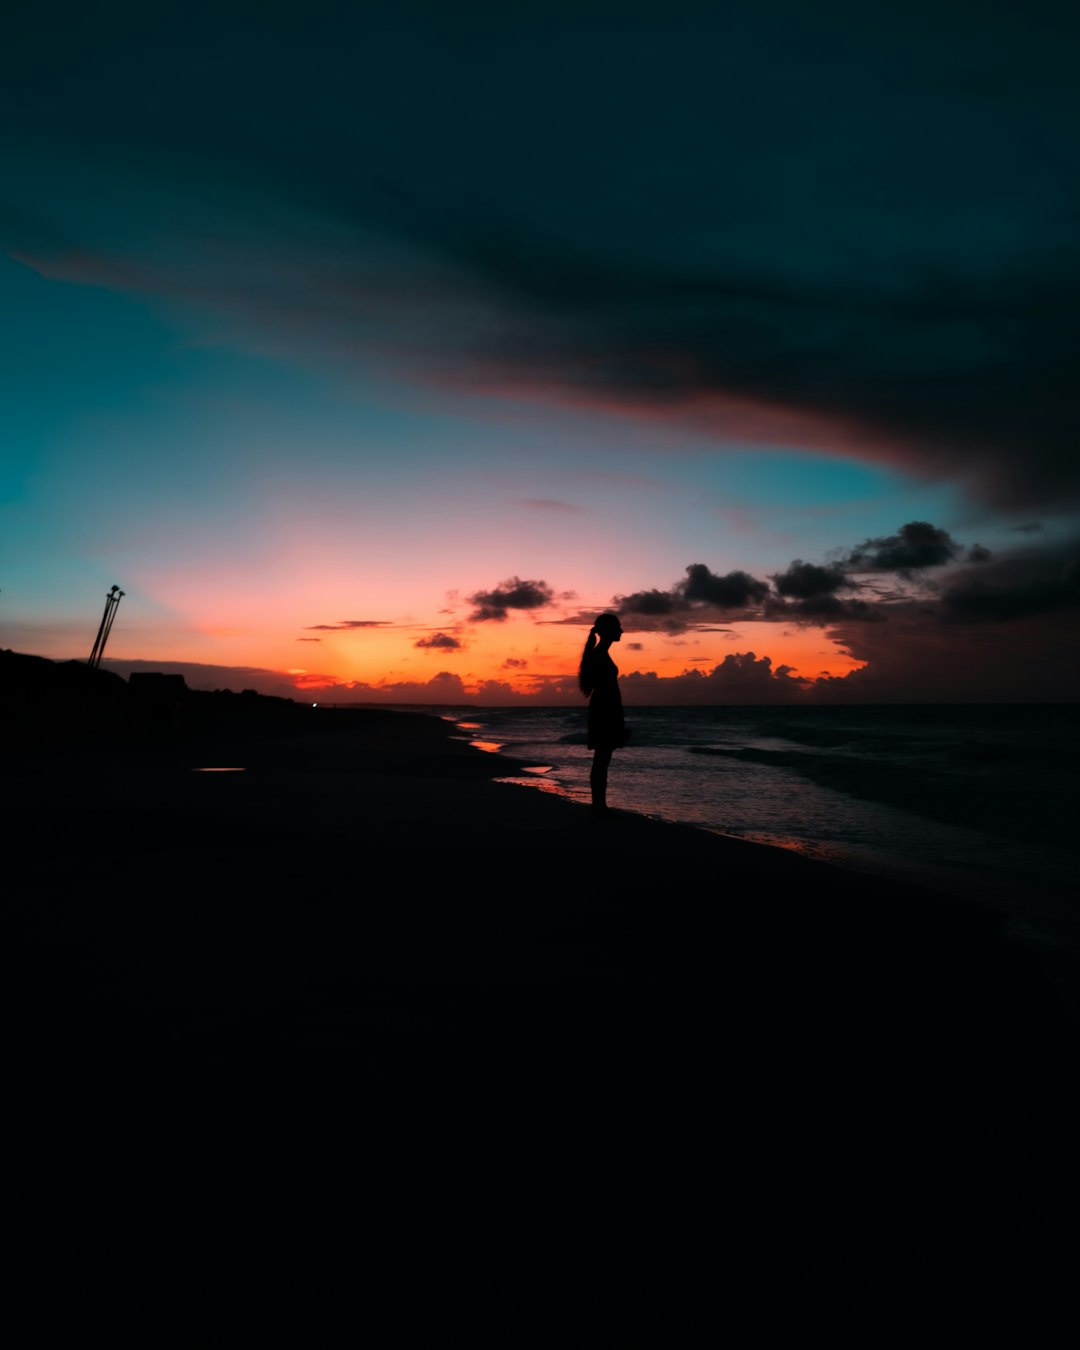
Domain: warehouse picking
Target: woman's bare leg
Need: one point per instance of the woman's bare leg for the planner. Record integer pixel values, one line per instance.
(598, 779)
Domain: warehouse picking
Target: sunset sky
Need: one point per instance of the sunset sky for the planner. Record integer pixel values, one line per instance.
(374, 349)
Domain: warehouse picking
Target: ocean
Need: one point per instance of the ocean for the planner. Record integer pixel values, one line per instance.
(976, 801)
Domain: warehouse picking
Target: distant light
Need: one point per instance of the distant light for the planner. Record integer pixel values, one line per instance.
(314, 705)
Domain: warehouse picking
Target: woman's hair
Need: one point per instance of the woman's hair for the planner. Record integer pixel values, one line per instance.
(604, 624)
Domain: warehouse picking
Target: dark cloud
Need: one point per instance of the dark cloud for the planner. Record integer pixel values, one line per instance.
(309, 639)
(903, 280)
(977, 587)
(734, 590)
(1016, 586)
(346, 624)
(652, 603)
(701, 590)
(742, 677)
(695, 599)
(822, 610)
(918, 658)
(438, 642)
(511, 594)
(805, 592)
(917, 545)
(636, 646)
(808, 595)
(513, 663)
(808, 581)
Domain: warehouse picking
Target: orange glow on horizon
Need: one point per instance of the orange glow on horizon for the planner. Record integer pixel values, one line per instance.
(388, 657)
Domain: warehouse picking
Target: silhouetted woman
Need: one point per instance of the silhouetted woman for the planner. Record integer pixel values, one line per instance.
(598, 677)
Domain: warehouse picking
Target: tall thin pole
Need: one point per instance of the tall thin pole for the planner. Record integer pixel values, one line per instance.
(112, 604)
(108, 626)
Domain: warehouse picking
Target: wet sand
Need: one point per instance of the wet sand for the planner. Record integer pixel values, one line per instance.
(359, 1047)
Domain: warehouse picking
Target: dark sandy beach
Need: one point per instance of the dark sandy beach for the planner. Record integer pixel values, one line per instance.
(359, 1047)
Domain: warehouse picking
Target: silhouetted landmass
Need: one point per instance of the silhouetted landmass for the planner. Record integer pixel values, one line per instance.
(357, 1047)
(53, 703)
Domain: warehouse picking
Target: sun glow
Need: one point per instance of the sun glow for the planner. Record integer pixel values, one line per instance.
(527, 659)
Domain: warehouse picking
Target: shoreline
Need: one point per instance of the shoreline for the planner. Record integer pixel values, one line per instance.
(967, 835)
(360, 1044)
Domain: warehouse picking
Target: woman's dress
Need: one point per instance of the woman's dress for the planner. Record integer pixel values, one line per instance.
(607, 728)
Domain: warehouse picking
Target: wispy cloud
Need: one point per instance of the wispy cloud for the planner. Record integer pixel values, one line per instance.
(438, 642)
(346, 624)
